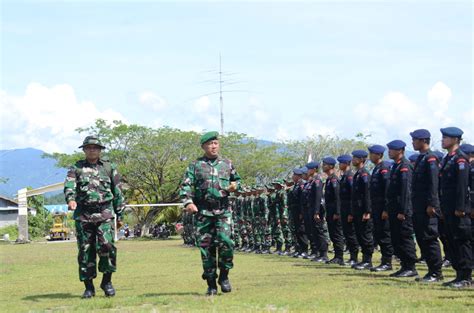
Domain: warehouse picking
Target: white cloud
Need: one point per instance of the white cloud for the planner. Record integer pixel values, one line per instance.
(152, 101)
(396, 115)
(47, 118)
(202, 104)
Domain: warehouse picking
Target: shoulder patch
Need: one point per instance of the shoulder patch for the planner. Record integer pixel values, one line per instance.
(431, 159)
(384, 171)
(404, 169)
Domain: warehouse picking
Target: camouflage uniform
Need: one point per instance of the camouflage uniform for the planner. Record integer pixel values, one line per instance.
(263, 226)
(274, 220)
(97, 190)
(282, 208)
(205, 184)
(237, 220)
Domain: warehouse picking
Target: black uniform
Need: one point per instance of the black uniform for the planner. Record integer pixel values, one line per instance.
(454, 196)
(297, 212)
(399, 202)
(424, 194)
(471, 193)
(333, 207)
(360, 204)
(348, 229)
(378, 188)
(319, 246)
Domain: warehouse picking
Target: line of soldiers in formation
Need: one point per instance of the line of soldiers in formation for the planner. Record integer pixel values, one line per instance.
(427, 198)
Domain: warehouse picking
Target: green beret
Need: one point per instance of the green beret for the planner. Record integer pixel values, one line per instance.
(209, 136)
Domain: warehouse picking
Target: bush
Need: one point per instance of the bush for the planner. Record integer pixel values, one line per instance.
(11, 230)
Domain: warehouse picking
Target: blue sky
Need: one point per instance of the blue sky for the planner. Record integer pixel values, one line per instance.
(305, 68)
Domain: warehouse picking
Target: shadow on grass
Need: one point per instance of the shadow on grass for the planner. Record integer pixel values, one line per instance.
(164, 294)
(49, 296)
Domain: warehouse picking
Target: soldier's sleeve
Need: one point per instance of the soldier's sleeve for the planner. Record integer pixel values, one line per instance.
(405, 173)
(462, 184)
(433, 177)
(319, 195)
(234, 176)
(385, 178)
(354, 182)
(366, 180)
(186, 192)
(119, 200)
(70, 185)
(284, 200)
(336, 186)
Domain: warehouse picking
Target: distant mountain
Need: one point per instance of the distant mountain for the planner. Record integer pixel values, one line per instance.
(26, 168)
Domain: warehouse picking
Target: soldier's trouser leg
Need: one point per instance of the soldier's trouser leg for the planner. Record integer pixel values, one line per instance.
(402, 241)
(426, 232)
(459, 243)
(350, 236)
(364, 233)
(310, 232)
(382, 236)
(320, 238)
(106, 247)
(207, 233)
(337, 238)
(86, 234)
(224, 242)
(443, 238)
(285, 227)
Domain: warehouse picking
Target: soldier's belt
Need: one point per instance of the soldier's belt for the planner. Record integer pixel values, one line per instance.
(96, 208)
(214, 205)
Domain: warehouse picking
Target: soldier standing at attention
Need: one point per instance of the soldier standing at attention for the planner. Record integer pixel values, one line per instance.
(455, 206)
(93, 191)
(361, 210)
(333, 210)
(205, 190)
(345, 190)
(378, 187)
(425, 201)
(399, 210)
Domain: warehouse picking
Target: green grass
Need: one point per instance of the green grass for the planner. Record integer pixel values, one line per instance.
(155, 276)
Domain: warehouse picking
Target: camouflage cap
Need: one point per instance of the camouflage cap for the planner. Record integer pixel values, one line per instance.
(92, 140)
(209, 136)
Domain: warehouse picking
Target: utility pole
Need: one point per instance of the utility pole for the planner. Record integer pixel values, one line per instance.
(220, 95)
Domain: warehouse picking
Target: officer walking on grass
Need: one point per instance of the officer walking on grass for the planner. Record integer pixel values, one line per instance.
(205, 190)
(93, 191)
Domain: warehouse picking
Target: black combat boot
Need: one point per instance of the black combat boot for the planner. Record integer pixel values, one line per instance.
(211, 287)
(386, 265)
(366, 263)
(224, 281)
(90, 290)
(106, 285)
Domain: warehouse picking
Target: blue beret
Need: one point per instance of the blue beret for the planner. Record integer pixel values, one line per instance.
(312, 165)
(359, 153)
(413, 157)
(329, 160)
(451, 132)
(396, 145)
(297, 171)
(467, 148)
(439, 154)
(420, 134)
(345, 158)
(304, 170)
(377, 149)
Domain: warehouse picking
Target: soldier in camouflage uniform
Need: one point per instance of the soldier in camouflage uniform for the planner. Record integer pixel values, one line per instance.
(261, 217)
(205, 189)
(93, 191)
(282, 208)
(274, 219)
(237, 219)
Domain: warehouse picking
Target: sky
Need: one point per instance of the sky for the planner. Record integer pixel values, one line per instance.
(290, 69)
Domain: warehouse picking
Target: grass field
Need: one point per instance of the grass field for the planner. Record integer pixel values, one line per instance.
(156, 276)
